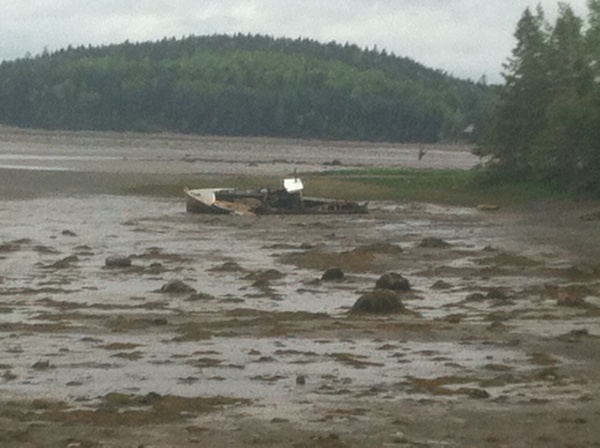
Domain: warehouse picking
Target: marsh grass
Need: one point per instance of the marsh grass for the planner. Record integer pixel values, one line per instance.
(451, 187)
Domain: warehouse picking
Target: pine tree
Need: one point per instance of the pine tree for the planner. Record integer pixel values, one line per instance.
(520, 114)
(561, 150)
(593, 37)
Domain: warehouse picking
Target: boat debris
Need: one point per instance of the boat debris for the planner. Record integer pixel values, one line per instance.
(287, 200)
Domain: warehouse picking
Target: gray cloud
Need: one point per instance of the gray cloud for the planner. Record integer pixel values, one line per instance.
(467, 38)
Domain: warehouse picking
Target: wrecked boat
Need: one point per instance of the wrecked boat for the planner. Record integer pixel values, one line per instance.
(288, 200)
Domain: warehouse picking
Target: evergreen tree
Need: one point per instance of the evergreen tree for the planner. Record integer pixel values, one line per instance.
(547, 123)
(239, 85)
(593, 37)
(562, 150)
(520, 113)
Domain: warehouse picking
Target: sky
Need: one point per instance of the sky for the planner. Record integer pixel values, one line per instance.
(465, 38)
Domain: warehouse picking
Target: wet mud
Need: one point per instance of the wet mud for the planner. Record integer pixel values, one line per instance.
(222, 331)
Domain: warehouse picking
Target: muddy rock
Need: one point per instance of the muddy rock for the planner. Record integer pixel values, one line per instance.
(265, 276)
(475, 297)
(572, 302)
(441, 284)
(177, 287)
(392, 281)
(228, 266)
(63, 263)
(434, 243)
(200, 296)
(497, 294)
(156, 267)
(41, 365)
(117, 261)
(380, 301)
(332, 274)
(575, 335)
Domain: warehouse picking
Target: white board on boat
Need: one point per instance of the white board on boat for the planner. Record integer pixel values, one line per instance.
(293, 185)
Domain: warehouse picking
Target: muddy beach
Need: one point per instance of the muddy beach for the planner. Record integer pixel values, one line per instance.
(220, 330)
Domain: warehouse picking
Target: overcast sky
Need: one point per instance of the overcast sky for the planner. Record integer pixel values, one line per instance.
(466, 38)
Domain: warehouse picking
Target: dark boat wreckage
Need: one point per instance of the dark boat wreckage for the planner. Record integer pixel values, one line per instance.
(284, 201)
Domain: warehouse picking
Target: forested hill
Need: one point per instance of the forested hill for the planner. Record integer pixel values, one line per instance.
(244, 85)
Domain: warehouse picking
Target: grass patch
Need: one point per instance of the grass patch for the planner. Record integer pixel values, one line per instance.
(452, 187)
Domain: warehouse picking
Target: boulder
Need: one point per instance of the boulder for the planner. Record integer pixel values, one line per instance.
(392, 281)
(497, 294)
(441, 284)
(333, 274)
(117, 261)
(380, 301)
(177, 287)
(434, 243)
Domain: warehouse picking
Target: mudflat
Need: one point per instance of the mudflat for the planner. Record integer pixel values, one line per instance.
(125, 321)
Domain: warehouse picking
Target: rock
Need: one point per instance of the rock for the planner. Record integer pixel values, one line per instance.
(62, 264)
(332, 274)
(265, 276)
(487, 207)
(380, 301)
(300, 380)
(41, 365)
(472, 392)
(434, 243)
(497, 294)
(117, 261)
(177, 287)
(67, 232)
(228, 266)
(160, 321)
(393, 281)
(156, 267)
(475, 297)
(197, 296)
(572, 302)
(441, 284)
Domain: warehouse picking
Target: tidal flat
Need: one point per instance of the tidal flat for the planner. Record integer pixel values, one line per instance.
(497, 345)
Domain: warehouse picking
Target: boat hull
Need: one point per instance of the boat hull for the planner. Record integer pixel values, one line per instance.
(265, 202)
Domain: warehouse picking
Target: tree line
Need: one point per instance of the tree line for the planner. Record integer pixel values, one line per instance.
(546, 125)
(243, 85)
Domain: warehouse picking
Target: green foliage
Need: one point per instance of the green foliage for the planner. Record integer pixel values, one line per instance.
(546, 126)
(240, 85)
